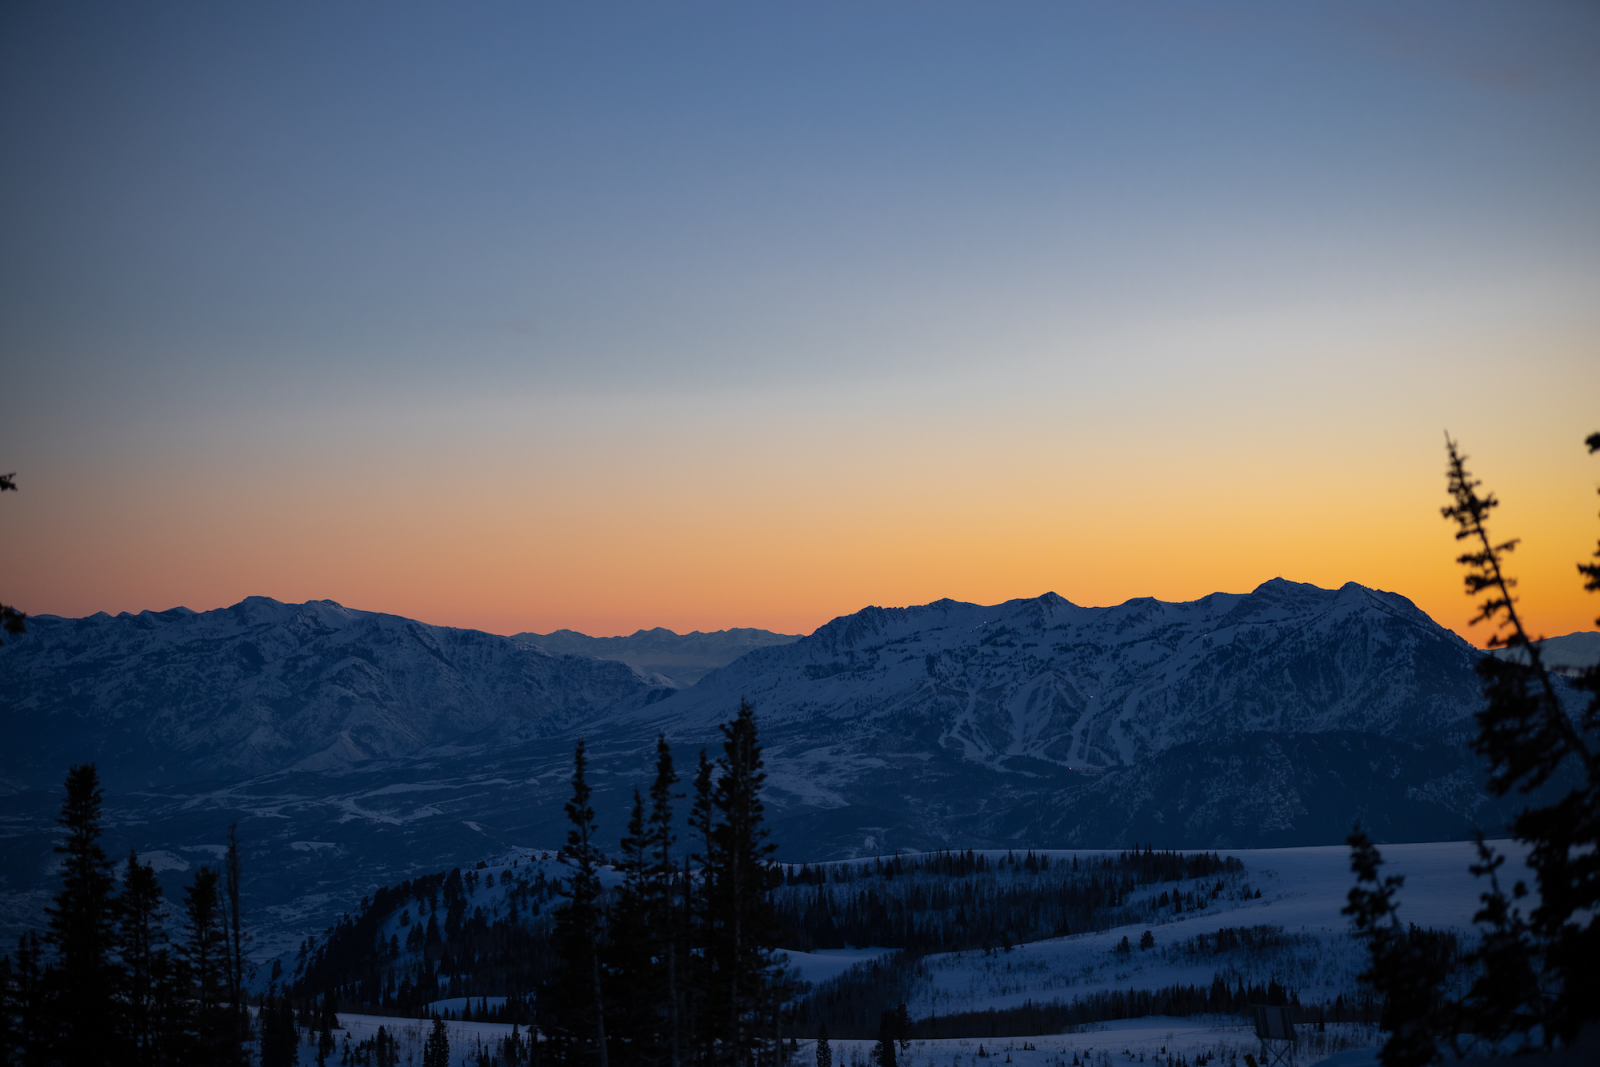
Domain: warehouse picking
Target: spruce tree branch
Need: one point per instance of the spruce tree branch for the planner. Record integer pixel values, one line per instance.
(1470, 512)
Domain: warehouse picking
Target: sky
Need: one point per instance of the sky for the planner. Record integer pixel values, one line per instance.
(609, 316)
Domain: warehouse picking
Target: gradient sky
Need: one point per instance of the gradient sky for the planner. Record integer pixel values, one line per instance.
(604, 316)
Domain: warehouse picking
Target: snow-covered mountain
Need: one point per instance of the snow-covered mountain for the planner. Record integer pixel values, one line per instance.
(175, 696)
(1045, 680)
(356, 749)
(684, 658)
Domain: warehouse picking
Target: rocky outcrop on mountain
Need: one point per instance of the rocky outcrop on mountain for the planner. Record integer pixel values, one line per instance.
(173, 696)
(684, 658)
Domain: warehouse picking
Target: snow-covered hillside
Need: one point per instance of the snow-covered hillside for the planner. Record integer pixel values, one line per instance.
(1046, 680)
(177, 696)
(356, 749)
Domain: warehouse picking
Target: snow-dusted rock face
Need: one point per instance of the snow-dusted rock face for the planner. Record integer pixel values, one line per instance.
(1046, 680)
(263, 686)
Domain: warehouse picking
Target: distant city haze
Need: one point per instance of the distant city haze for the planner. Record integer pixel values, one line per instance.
(539, 317)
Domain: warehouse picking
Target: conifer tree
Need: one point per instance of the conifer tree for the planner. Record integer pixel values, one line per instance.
(697, 1024)
(740, 922)
(1538, 973)
(83, 927)
(436, 1052)
(234, 938)
(280, 1040)
(32, 1032)
(663, 875)
(634, 984)
(154, 999)
(211, 1034)
(824, 1052)
(577, 994)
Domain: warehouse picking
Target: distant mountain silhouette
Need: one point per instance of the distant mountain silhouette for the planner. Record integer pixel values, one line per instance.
(1566, 655)
(684, 658)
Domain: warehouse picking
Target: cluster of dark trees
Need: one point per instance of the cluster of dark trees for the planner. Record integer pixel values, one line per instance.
(669, 964)
(1536, 972)
(674, 965)
(108, 983)
(470, 954)
(954, 901)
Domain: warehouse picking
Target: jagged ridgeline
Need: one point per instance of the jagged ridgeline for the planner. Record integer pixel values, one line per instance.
(485, 934)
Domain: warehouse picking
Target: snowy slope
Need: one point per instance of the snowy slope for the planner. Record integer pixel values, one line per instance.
(357, 749)
(1044, 679)
(1303, 890)
(174, 696)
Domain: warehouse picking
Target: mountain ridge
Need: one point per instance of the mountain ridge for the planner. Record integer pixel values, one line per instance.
(1274, 717)
(684, 658)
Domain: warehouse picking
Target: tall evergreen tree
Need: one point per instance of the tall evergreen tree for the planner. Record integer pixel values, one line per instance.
(436, 1052)
(83, 928)
(696, 1018)
(635, 987)
(740, 926)
(211, 1030)
(663, 876)
(33, 1031)
(280, 1040)
(155, 1001)
(234, 938)
(1539, 972)
(576, 997)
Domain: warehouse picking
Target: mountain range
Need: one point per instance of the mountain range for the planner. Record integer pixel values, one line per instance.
(355, 749)
(682, 658)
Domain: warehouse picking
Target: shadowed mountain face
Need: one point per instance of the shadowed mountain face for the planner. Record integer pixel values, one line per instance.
(262, 686)
(357, 749)
(683, 658)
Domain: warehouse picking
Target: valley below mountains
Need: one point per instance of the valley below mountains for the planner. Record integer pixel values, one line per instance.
(357, 749)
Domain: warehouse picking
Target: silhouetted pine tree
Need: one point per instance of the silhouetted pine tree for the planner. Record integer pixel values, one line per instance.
(84, 982)
(1539, 973)
(436, 1052)
(154, 990)
(575, 998)
(739, 924)
(31, 1033)
(1410, 980)
(696, 920)
(634, 983)
(662, 912)
(280, 1040)
(211, 1036)
(234, 937)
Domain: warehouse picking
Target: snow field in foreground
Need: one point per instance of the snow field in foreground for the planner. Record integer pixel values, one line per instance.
(1302, 890)
(1153, 1040)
